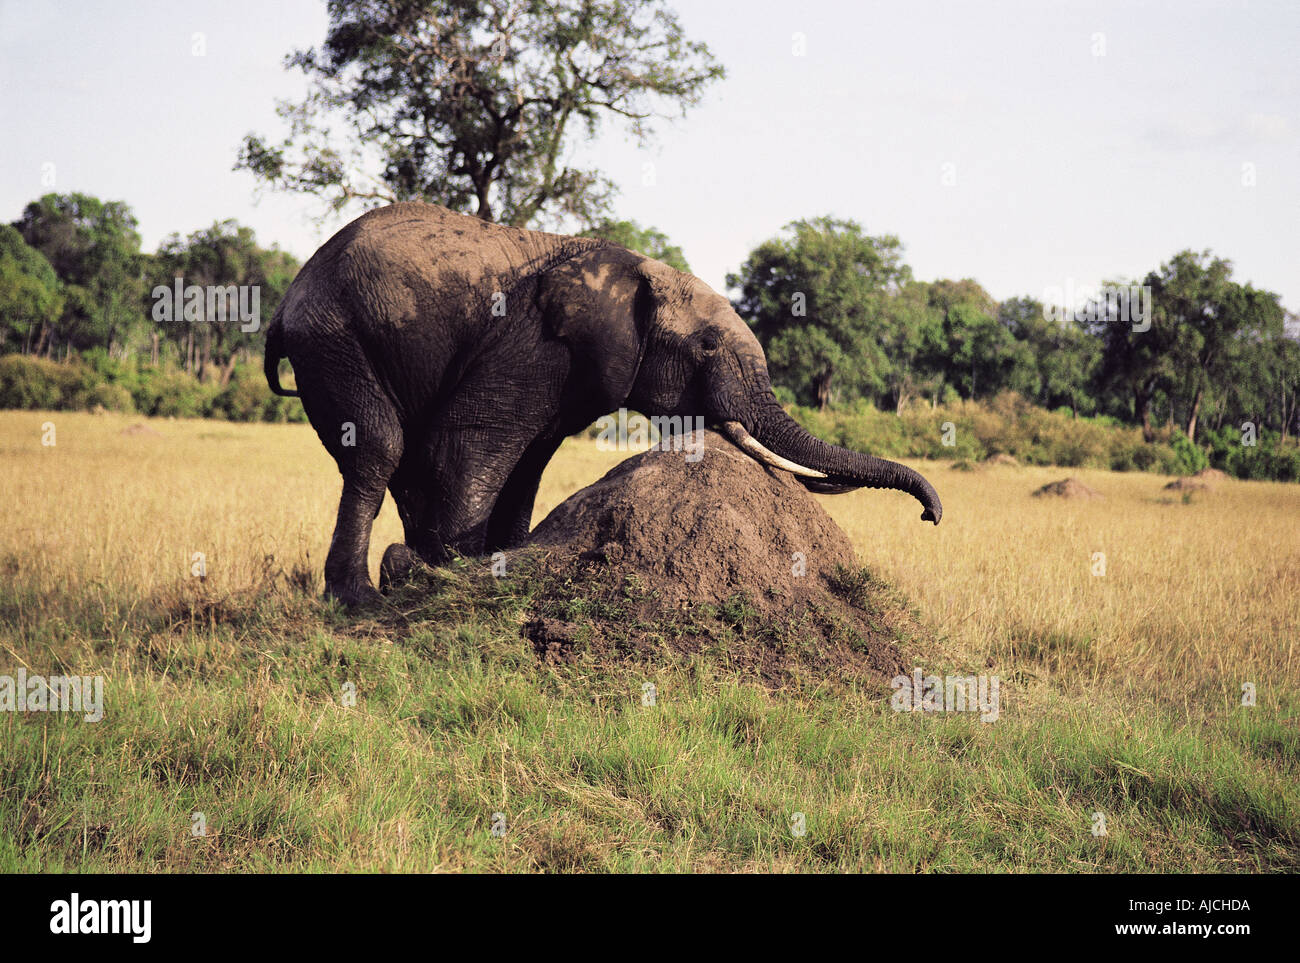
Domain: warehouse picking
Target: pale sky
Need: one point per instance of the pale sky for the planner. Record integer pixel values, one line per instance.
(1087, 141)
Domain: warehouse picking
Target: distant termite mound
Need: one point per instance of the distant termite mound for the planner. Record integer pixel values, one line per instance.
(1067, 488)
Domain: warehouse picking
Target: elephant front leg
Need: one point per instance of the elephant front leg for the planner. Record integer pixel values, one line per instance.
(512, 516)
(446, 495)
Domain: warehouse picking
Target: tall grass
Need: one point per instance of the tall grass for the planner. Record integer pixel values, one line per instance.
(226, 696)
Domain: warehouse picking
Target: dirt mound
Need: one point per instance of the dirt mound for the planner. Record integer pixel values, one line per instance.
(139, 431)
(1068, 488)
(703, 549)
(1001, 459)
(1204, 480)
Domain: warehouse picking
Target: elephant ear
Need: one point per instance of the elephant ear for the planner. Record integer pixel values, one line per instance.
(600, 303)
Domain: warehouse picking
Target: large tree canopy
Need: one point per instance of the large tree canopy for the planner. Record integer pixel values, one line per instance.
(31, 295)
(815, 301)
(474, 102)
(227, 253)
(95, 250)
(1201, 321)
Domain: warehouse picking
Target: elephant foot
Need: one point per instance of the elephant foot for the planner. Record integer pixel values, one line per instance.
(352, 594)
(399, 563)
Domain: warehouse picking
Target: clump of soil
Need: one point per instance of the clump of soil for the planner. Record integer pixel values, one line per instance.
(139, 431)
(1204, 480)
(1001, 459)
(704, 550)
(1068, 488)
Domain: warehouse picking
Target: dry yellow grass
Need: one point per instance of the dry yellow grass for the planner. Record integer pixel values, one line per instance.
(1121, 692)
(1202, 591)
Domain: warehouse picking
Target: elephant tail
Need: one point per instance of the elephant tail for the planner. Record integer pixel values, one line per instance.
(271, 361)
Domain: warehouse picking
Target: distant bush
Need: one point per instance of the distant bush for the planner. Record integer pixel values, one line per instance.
(1269, 457)
(1011, 425)
(95, 380)
(1191, 458)
(247, 398)
(30, 383)
(37, 383)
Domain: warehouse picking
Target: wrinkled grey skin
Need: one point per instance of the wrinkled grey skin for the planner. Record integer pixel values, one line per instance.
(458, 407)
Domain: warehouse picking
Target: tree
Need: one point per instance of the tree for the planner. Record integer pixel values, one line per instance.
(645, 240)
(463, 102)
(31, 295)
(1260, 383)
(95, 250)
(219, 256)
(975, 354)
(1208, 312)
(1137, 355)
(910, 330)
(1063, 356)
(816, 303)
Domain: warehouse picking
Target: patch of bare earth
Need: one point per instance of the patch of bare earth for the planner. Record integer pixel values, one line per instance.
(139, 431)
(1067, 488)
(1001, 459)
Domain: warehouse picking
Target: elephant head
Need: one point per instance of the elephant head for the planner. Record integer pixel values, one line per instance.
(664, 343)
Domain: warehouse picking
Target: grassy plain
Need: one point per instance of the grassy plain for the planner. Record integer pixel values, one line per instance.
(224, 696)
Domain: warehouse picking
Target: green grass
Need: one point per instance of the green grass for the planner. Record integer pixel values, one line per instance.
(232, 707)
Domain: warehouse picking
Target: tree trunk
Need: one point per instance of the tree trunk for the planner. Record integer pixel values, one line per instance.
(1142, 408)
(1191, 418)
(822, 388)
(1283, 412)
(228, 369)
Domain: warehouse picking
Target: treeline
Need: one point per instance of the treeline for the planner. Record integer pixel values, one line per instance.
(75, 282)
(843, 320)
(1197, 366)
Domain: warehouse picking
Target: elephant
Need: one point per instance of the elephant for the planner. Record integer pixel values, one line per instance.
(444, 358)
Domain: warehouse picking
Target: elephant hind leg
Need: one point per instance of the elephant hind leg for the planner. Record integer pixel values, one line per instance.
(359, 426)
(347, 573)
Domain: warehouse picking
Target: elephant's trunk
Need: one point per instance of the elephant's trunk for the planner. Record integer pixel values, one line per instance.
(778, 440)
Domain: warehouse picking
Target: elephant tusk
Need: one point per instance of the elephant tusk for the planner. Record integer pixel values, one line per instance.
(751, 446)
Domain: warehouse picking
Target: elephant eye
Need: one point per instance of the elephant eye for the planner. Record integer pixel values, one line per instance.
(711, 339)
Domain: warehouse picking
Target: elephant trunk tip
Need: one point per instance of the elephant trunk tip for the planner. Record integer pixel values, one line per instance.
(929, 500)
